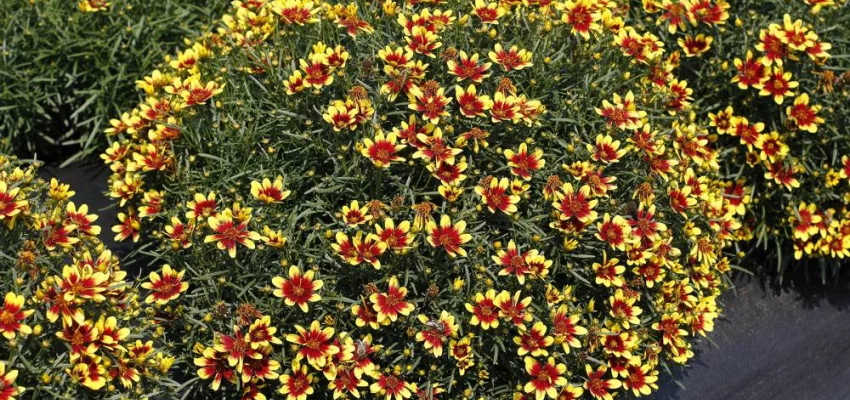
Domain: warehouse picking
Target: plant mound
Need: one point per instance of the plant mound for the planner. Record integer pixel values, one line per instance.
(424, 200)
(68, 65)
(775, 89)
(67, 317)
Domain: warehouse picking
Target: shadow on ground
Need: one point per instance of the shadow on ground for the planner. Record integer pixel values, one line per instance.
(772, 343)
(776, 343)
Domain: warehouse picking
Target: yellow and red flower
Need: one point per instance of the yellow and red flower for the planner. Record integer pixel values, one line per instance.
(166, 287)
(436, 332)
(382, 151)
(298, 384)
(314, 344)
(391, 304)
(12, 316)
(546, 377)
(512, 59)
(269, 192)
(523, 164)
(214, 365)
(468, 68)
(228, 232)
(449, 237)
(484, 310)
(298, 289)
(803, 115)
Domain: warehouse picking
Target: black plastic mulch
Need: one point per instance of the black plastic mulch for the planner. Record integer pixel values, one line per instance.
(772, 343)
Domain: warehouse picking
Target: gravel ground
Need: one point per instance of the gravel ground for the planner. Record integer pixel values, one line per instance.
(771, 344)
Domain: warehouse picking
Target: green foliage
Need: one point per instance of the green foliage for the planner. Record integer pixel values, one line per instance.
(63, 71)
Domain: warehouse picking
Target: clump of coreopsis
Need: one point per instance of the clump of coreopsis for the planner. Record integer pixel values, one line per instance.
(424, 200)
(70, 64)
(67, 314)
(778, 100)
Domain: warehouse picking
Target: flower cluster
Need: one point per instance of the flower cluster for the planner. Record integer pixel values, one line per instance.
(66, 316)
(779, 103)
(425, 200)
(70, 64)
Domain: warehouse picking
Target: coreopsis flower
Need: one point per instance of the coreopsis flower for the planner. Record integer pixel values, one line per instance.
(582, 16)
(448, 236)
(314, 344)
(795, 35)
(695, 46)
(237, 348)
(298, 384)
(78, 217)
(392, 303)
(340, 116)
(487, 12)
(429, 101)
(746, 131)
(82, 282)
(772, 147)
(608, 272)
(202, 207)
(451, 174)
(513, 308)
(228, 232)
(471, 104)
(165, 287)
(353, 215)
(623, 309)
(804, 116)
(12, 317)
(644, 225)
(90, 6)
(782, 174)
(606, 149)
(8, 389)
(82, 337)
(523, 163)
(467, 67)
(436, 331)
(675, 14)
(512, 262)
(269, 192)
(566, 328)
(495, 195)
(681, 96)
(597, 385)
(512, 59)
(623, 113)
(128, 227)
(775, 51)
(533, 341)
(681, 200)
(669, 326)
(358, 250)
(722, 120)
(59, 191)
(640, 379)
(572, 205)
(390, 387)
(505, 108)
(777, 84)
(806, 220)
(298, 289)
(422, 41)
(198, 93)
(88, 371)
(478, 138)
(179, 234)
(397, 237)
(546, 377)
(614, 231)
(10, 205)
(214, 365)
(484, 310)
(750, 71)
(382, 151)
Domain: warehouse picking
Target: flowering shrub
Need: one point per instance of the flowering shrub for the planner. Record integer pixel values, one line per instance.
(776, 94)
(66, 316)
(67, 65)
(423, 200)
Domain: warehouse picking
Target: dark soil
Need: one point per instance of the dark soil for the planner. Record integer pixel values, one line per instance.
(773, 343)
